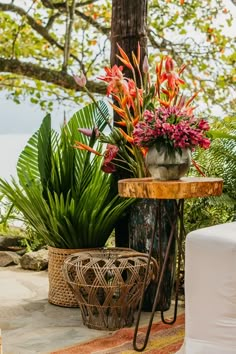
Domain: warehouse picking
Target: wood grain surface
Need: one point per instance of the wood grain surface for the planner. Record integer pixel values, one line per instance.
(186, 187)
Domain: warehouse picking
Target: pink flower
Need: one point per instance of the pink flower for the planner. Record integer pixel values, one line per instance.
(205, 143)
(80, 80)
(166, 126)
(171, 126)
(108, 167)
(110, 153)
(89, 132)
(148, 116)
(203, 125)
(145, 65)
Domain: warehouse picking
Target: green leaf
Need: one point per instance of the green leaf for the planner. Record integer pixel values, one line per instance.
(62, 192)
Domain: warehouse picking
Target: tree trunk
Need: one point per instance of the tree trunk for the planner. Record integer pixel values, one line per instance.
(128, 28)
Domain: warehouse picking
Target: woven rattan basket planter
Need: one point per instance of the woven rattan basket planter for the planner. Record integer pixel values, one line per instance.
(60, 293)
(107, 284)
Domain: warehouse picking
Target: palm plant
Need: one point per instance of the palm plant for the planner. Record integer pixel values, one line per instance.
(62, 192)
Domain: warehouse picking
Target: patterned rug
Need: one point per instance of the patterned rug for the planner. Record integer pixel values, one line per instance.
(164, 339)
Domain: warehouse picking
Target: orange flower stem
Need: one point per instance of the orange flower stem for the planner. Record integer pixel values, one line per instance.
(137, 94)
(198, 168)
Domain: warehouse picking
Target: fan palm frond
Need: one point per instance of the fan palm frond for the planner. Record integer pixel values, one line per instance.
(62, 192)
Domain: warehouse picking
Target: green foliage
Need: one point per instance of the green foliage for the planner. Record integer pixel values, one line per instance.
(204, 212)
(196, 33)
(32, 240)
(218, 161)
(6, 230)
(62, 192)
(192, 31)
(222, 157)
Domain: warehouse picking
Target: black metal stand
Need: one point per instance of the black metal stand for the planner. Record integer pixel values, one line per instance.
(177, 232)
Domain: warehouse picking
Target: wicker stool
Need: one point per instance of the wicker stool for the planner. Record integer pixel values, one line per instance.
(210, 291)
(107, 284)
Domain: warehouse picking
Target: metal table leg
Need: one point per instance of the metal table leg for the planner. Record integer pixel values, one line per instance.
(178, 216)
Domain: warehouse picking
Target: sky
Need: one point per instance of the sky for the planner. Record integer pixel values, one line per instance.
(25, 118)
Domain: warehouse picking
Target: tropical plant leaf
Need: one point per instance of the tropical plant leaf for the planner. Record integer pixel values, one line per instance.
(27, 165)
(62, 192)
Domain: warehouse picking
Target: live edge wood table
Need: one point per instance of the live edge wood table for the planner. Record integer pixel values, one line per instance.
(177, 190)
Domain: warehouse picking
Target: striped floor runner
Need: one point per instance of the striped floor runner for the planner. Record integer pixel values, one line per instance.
(164, 339)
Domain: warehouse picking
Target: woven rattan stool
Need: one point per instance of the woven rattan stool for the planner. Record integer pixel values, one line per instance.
(107, 284)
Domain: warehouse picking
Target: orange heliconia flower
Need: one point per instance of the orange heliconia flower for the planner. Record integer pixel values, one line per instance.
(144, 150)
(172, 79)
(124, 57)
(118, 110)
(169, 64)
(127, 137)
(135, 121)
(164, 103)
(159, 68)
(122, 123)
(116, 80)
(81, 146)
(191, 99)
(138, 53)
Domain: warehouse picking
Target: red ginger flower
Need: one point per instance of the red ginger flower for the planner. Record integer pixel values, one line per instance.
(109, 155)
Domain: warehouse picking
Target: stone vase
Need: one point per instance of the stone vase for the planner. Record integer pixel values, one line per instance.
(164, 165)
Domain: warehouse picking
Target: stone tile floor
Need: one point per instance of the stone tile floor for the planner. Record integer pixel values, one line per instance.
(30, 324)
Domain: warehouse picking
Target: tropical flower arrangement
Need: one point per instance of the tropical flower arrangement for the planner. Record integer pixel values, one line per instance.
(151, 114)
(173, 127)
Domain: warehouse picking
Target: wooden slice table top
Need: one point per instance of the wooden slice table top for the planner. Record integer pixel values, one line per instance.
(186, 187)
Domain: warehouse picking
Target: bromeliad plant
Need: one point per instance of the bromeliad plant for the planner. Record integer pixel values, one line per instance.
(62, 192)
(151, 113)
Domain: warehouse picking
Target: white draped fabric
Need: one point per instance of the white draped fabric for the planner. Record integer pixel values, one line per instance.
(210, 291)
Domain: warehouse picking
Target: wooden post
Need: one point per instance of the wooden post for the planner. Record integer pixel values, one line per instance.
(128, 28)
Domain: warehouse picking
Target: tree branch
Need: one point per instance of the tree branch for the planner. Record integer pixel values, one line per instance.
(91, 21)
(51, 20)
(62, 7)
(69, 26)
(37, 27)
(36, 72)
(18, 31)
(87, 3)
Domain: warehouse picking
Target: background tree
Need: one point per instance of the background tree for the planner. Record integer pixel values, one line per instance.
(44, 42)
(128, 28)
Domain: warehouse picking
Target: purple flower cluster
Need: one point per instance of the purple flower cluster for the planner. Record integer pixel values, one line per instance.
(175, 127)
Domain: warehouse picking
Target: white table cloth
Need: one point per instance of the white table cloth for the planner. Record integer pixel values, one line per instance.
(210, 291)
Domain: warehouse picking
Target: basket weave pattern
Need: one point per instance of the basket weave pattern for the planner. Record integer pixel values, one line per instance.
(108, 284)
(60, 293)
